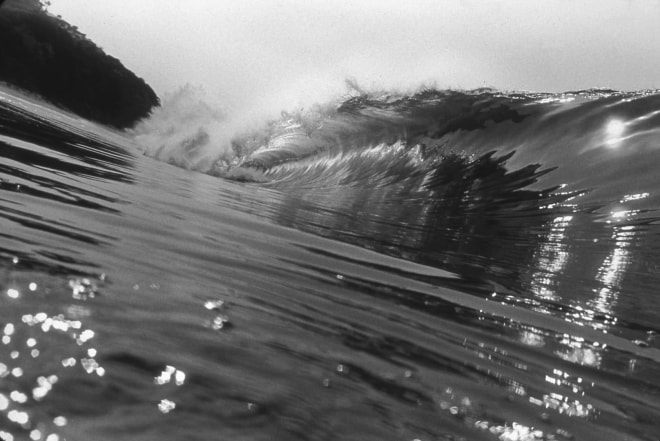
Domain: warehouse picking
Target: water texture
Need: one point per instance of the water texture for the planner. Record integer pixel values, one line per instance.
(443, 265)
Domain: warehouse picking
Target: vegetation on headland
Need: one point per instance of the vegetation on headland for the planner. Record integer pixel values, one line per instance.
(46, 56)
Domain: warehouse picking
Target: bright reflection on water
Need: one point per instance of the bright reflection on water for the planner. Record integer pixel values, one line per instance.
(551, 259)
(614, 131)
(612, 271)
(21, 357)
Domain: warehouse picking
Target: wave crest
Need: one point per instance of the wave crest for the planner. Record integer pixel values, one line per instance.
(186, 131)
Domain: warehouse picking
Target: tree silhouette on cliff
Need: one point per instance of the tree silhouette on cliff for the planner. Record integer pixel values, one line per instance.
(45, 55)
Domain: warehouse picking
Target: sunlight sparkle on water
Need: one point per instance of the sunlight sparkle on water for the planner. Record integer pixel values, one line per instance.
(166, 406)
(635, 197)
(166, 376)
(614, 131)
(18, 417)
(9, 329)
(13, 293)
(18, 397)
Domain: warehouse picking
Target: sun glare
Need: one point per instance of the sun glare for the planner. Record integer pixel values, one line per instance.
(614, 130)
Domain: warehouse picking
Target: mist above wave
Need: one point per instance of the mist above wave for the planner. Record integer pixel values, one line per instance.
(180, 130)
(190, 131)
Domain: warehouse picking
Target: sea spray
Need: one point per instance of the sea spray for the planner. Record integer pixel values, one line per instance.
(190, 131)
(193, 131)
(186, 131)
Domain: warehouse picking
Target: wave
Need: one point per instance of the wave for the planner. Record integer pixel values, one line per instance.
(521, 226)
(181, 129)
(590, 139)
(473, 182)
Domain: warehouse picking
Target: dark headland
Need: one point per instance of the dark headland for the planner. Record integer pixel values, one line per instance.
(44, 55)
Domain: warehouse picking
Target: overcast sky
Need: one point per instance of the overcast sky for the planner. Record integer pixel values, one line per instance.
(284, 53)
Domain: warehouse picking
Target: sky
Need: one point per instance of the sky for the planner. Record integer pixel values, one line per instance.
(286, 53)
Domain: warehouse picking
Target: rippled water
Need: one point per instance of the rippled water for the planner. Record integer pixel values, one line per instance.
(457, 266)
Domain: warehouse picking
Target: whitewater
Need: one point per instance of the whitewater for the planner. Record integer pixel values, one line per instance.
(432, 265)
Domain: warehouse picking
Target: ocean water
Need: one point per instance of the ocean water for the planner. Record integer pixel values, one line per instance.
(443, 265)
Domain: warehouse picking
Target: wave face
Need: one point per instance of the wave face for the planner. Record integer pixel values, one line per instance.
(441, 265)
(519, 190)
(585, 135)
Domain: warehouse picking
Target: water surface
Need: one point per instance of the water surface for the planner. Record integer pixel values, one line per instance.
(443, 266)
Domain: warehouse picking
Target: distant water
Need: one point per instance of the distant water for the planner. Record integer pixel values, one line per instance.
(438, 266)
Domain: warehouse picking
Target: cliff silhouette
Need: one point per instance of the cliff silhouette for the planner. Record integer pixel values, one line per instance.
(46, 56)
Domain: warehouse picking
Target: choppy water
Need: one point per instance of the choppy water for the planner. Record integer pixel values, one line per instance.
(442, 266)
